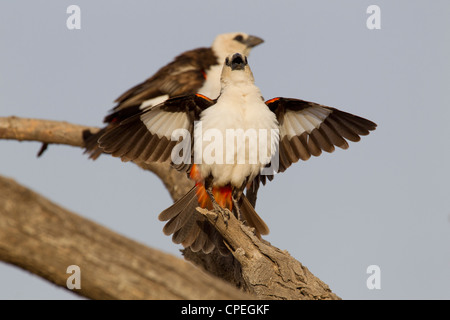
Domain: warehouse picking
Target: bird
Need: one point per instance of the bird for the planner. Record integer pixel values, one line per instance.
(194, 71)
(180, 131)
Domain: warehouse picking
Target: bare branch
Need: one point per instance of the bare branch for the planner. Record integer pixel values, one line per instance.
(268, 272)
(47, 131)
(39, 236)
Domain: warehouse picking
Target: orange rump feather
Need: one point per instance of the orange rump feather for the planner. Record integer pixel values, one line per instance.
(221, 194)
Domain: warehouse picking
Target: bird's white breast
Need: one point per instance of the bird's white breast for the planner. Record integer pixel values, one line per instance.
(239, 113)
(211, 87)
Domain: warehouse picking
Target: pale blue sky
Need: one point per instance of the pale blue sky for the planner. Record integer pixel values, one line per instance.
(384, 201)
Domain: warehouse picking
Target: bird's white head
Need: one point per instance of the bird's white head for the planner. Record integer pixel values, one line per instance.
(228, 43)
(236, 70)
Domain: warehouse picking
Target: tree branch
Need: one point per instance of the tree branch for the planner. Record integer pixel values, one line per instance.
(47, 131)
(255, 265)
(268, 272)
(39, 236)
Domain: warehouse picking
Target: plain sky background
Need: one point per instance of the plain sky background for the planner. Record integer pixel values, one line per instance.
(385, 201)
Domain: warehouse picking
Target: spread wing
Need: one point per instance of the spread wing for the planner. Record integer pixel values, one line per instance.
(151, 135)
(308, 128)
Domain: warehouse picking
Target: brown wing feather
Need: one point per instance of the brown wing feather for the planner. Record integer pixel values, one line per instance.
(147, 136)
(308, 128)
(183, 76)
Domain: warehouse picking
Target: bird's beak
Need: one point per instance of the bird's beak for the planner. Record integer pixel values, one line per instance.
(238, 62)
(253, 41)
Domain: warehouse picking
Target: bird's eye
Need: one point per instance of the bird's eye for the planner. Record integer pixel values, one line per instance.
(239, 38)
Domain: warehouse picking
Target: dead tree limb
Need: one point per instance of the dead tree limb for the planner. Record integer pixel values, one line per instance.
(267, 272)
(255, 265)
(45, 239)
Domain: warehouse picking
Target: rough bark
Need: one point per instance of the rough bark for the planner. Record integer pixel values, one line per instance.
(255, 265)
(45, 239)
(267, 272)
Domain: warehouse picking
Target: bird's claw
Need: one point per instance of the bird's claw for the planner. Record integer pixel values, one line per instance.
(224, 212)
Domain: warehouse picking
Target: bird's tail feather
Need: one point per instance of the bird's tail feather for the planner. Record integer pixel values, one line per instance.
(251, 218)
(91, 144)
(191, 229)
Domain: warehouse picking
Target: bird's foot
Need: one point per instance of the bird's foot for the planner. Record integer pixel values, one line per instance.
(224, 212)
(236, 208)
